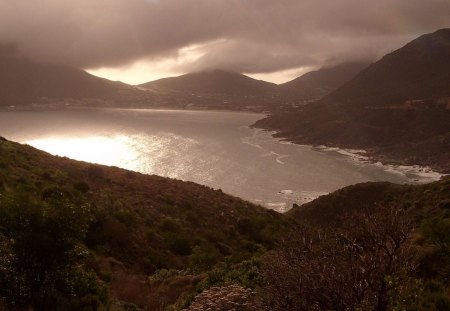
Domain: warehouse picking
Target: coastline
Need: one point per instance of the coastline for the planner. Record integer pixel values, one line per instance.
(423, 173)
(39, 108)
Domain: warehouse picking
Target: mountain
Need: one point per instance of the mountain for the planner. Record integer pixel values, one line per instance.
(316, 84)
(218, 89)
(418, 71)
(25, 82)
(398, 108)
(213, 82)
(233, 90)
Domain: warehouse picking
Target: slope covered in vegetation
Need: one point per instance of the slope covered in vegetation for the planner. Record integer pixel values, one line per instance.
(79, 236)
(376, 246)
(63, 220)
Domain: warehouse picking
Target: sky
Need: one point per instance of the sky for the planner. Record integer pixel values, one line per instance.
(136, 41)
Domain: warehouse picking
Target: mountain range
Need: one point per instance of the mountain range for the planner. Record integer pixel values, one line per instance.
(233, 90)
(25, 82)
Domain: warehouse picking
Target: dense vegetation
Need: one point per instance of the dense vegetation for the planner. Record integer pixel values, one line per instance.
(65, 222)
(373, 246)
(79, 236)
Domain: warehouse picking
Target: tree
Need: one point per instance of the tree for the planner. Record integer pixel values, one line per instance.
(40, 246)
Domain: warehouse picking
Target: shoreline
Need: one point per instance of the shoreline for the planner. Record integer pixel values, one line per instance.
(425, 174)
(44, 108)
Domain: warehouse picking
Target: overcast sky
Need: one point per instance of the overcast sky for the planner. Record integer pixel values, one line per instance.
(140, 40)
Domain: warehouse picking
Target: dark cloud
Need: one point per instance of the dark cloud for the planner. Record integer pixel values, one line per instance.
(243, 35)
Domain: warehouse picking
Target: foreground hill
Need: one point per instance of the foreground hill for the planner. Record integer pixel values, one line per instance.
(408, 226)
(316, 84)
(118, 225)
(79, 236)
(424, 201)
(25, 82)
(398, 108)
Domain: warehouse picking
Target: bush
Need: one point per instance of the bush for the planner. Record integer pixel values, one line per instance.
(180, 246)
(81, 186)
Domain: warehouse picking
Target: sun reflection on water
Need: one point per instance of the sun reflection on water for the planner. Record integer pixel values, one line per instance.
(164, 154)
(114, 150)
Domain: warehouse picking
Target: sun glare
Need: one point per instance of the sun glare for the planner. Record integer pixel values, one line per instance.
(113, 151)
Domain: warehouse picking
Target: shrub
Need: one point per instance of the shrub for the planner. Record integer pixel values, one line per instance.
(81, 186)
(180, 246)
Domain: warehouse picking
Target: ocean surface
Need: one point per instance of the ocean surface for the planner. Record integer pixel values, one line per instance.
(217, 149)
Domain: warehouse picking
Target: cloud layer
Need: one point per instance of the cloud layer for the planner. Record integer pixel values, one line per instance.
(253, 36)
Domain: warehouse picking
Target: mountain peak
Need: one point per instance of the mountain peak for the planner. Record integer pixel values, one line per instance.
(218, 71)
(444, 32)
(213, 81)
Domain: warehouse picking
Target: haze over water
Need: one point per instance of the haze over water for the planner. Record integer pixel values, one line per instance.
(217, 149)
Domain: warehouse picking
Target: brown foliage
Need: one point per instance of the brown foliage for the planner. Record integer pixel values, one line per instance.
(345, 269)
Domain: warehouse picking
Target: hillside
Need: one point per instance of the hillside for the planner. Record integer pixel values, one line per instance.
(418, 71)
(398, 108)
(410, 227)
(423, 201)
(26, 82)
(80, 236)
(317, 84)
(123, 226)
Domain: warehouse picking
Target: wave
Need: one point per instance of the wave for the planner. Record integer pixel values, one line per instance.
(414, 173)
(260, 137)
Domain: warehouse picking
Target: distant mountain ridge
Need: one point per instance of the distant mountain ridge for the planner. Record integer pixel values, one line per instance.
(214, 81)
(316, 84)
(218, 89)
(26, 82)
(234, 90)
